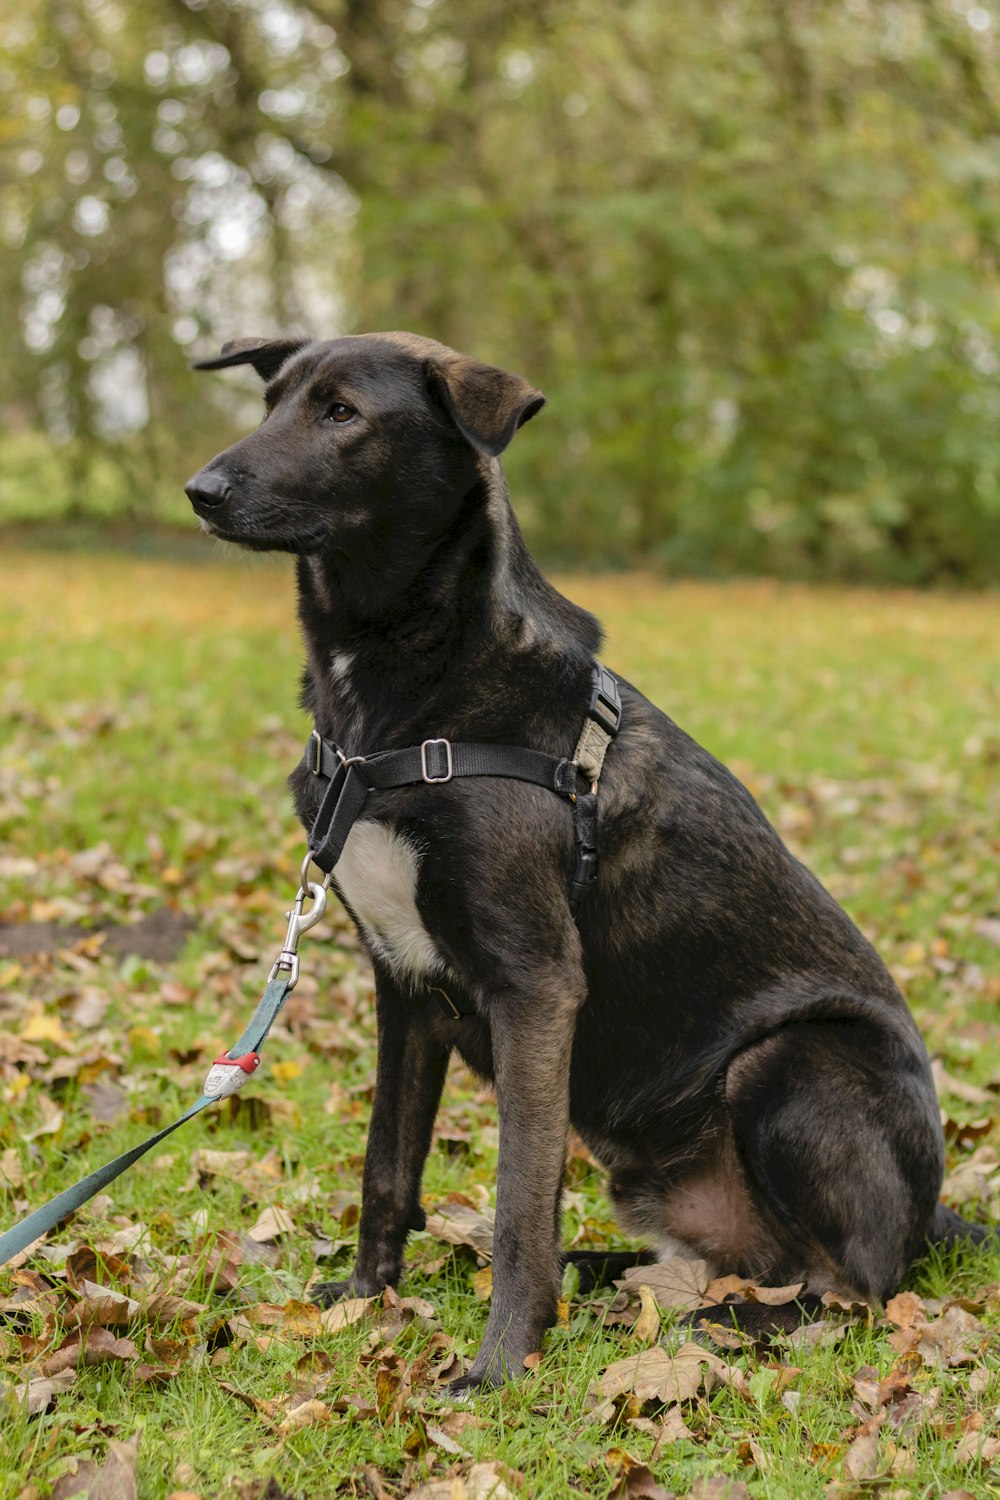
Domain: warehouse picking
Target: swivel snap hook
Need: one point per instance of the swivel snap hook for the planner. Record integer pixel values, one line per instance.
(298, 923)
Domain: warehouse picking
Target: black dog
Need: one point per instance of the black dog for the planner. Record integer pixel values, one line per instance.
(713, 1024)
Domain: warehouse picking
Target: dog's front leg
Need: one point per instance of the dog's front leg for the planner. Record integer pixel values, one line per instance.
(412, 1061)
(532, 1038)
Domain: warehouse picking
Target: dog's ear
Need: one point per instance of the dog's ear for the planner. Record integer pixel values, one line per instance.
(266, 355)
(487, 405)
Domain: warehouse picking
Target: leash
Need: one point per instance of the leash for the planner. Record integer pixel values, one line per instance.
(227, 1075)
(435, 762)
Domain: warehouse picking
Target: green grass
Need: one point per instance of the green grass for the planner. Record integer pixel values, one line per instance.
(149, 723)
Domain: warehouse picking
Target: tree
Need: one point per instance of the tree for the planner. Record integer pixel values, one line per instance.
(751, 250)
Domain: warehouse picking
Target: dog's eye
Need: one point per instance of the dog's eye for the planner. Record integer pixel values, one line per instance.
(341, 412)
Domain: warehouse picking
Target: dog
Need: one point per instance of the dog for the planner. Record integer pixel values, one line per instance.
(711, 1022)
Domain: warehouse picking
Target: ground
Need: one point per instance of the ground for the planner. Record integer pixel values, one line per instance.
(162, 1343)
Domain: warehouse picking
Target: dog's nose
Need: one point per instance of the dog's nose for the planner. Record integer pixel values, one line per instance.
(208, 488)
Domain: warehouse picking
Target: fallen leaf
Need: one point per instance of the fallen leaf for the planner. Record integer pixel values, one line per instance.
(976, 1448)
(307, 1414)
(482, 1283)
(464, 1226)
(656, 1375)
(861, 1458)
(10, 1167)
(637, 1482)
(723, 1287)
(673, 1429)
(39, 1392)
(719, 1487)
(108, 1102)
(646, 1327)
(944, 1083)
(115, 1479)
(773, 1296)
(673, 1282)
(482, 1482)
(93, 1346)
(906, 1310)
(272, 1224)
(42, 1028)
(344, 1313)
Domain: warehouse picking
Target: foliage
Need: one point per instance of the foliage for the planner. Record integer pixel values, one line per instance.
(164, 1333)
(749, 249)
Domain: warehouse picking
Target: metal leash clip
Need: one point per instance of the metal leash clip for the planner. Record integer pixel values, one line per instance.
(298, 923)
(227, 1075)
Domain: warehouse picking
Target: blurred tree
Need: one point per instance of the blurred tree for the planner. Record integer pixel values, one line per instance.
(751, 250)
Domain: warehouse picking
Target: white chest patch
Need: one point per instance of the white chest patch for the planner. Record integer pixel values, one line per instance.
(377, 873)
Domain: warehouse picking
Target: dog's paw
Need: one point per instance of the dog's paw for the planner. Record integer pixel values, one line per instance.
(470, 1384)
(326, 1293)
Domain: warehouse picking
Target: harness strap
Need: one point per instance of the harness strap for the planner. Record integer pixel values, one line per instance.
(437, 761)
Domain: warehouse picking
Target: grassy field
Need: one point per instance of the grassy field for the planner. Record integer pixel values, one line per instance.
(149, 721)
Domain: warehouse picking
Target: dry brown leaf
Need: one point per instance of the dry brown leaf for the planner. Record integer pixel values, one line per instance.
(637, 1482)
(719, 1487)
(861, 1458)
(92, 1346)
(272, 1224)
(655, 1375)
(483, 1482)
(972, 1178)
(115, 1479)
(724, 1286)
(646, 1327)
(944, 1083)
(674, 1282)
(976, 1448)
(306, 1414)
(953, 1339)
(438, 1438)
(462, 1225)
(10, 1167)
(673, 1429)
(773, 1296)
(163, 1308)
(39, 1392)
(906, 1310)
(342, 1314)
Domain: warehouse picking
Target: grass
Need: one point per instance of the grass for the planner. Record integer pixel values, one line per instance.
(152, 721)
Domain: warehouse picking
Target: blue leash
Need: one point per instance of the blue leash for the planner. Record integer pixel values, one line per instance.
(226, 1076)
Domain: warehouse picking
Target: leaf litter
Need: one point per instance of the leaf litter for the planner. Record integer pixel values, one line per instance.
(94, 1041)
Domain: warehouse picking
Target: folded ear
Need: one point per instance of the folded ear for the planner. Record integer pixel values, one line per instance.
(266, 355)
(487, 405)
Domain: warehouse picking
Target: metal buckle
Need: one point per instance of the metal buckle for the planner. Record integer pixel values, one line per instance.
(449, 769)
(316, 741)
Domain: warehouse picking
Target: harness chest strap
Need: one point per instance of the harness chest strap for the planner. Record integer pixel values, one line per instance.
(437, 761)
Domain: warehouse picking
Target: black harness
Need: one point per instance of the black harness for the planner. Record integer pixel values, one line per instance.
(438, 761)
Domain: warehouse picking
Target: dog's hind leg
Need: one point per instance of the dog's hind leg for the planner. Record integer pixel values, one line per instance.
(835, 1125)
(412, 1061)
(597, 1268)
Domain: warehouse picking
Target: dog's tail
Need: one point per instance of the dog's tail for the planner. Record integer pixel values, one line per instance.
(948, 1229)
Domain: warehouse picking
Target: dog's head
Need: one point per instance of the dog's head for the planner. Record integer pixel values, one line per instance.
(362, 435)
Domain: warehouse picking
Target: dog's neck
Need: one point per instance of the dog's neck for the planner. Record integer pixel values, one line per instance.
(419, 638)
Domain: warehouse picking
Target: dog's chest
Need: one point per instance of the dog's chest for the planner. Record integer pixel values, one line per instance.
(377, 874)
